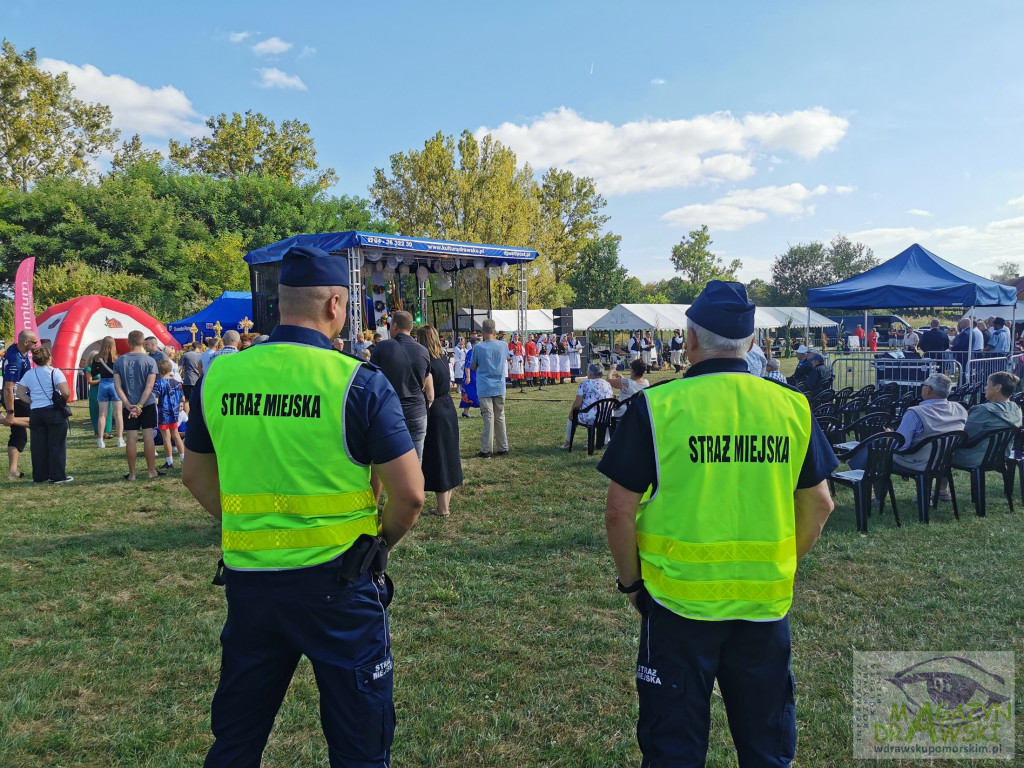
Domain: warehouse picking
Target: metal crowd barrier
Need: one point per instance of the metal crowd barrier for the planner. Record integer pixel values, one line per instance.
(980, 368)
(908, 373)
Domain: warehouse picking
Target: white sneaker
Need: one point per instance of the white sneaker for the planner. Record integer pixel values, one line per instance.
(65, 481)
(121, 443)
(100, 443)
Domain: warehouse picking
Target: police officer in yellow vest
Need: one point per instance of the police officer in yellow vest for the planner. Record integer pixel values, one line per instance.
(736, 470)
(279, 447)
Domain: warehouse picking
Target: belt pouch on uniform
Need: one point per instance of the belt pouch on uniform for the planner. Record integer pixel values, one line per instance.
(218, 577)
(356, 560)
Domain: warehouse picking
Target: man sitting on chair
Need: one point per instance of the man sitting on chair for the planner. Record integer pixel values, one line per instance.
(934, 416)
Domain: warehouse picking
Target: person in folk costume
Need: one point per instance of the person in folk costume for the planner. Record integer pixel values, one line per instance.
(553, 368)
(459, 362)
(516, 368)
(532, 364)
(647, 351)
(634, 347)
(544, 362)
(675, 349)
(469, 398)
(575, 352)
(564, 367)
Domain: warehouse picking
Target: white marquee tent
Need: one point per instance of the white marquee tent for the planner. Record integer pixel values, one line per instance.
(665, 317)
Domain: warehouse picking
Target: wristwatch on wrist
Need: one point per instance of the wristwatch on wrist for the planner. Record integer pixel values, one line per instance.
(629, 589)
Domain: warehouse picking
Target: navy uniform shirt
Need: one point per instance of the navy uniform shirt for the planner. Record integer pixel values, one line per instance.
(16, 364)
(375, 430)
(630, 458)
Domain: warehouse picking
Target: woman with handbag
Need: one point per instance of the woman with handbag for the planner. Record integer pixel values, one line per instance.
(47, 390)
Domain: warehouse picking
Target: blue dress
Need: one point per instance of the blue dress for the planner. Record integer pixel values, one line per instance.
(469, 398)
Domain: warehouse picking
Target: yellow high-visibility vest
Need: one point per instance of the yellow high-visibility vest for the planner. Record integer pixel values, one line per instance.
(291, 496)
(717, 539)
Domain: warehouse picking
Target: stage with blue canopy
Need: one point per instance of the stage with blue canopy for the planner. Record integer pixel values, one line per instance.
(376, 261)
(417, 247)
(230, 308)
(914, 278)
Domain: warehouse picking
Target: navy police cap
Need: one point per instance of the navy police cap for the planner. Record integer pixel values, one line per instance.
(305, 266)
(724, 309)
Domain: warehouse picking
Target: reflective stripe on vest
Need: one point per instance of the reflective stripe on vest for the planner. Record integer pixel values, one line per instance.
(717, 539)
(290, 495)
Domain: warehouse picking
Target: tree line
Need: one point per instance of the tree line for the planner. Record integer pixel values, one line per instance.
(167, 232)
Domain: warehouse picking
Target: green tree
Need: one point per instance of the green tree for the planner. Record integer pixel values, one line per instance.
(761, 292)
(253, 145)
(810, 265)
(693, 257)
(569, 218)
(44, 130)
(801, 267)
(132, 153)
(849, 259)
(471, 191)
(599, 279)
(1007, 272)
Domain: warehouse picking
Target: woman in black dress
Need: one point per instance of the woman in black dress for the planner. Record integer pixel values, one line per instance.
(442, 462)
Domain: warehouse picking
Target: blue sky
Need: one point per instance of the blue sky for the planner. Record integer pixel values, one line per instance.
(774, 123)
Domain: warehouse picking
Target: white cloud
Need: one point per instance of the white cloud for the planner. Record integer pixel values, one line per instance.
(272, 77)
(136, 108)
(979, 250)
(919, 212)
(843, 190)
(742, 207)
(660, 154)
(307, 50)
(1018, 201)
(239, 37)
(658, 81)
(271, 46)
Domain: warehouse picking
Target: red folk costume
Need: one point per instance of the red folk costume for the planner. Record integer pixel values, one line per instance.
(531, 359)
(516, 372)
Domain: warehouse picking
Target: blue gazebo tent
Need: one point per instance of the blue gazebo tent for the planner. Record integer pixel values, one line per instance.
(230, 308)
(914, 278)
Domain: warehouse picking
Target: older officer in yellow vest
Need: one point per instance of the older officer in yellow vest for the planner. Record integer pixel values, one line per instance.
(736, 470)
(280, 443)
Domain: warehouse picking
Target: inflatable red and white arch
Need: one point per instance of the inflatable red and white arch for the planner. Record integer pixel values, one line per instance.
(75, 328)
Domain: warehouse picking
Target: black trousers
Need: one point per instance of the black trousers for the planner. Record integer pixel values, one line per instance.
(49, 430)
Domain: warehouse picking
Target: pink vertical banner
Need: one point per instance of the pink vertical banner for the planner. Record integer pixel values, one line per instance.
(24, 306)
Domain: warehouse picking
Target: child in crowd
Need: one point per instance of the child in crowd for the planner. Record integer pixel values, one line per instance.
(168, 393)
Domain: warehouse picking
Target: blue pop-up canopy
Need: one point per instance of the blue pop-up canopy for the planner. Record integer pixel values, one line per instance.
(914, 278)
(417, 247)
(230, 308)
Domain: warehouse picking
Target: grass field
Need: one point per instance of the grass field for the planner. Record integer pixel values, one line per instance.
(512, 647)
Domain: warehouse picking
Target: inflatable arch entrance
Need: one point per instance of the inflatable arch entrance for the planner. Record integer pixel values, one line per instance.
(74, 329)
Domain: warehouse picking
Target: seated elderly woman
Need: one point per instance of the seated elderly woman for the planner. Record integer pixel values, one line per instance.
(589, 392)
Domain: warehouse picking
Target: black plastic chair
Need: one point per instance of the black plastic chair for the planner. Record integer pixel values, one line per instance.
(906, 402)
(866, 391)
(843, 395)
(833, 430)
(620, 403)
(823, 398)
(869, 425)
(602, 420)
(851, 410)
(827, 410)
(880, 449)
(995, 460)
(940, 460)
(1017, 458)
(882, 404)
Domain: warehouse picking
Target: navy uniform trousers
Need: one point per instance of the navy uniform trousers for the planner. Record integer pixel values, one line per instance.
(274, 618)
(677, 664)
